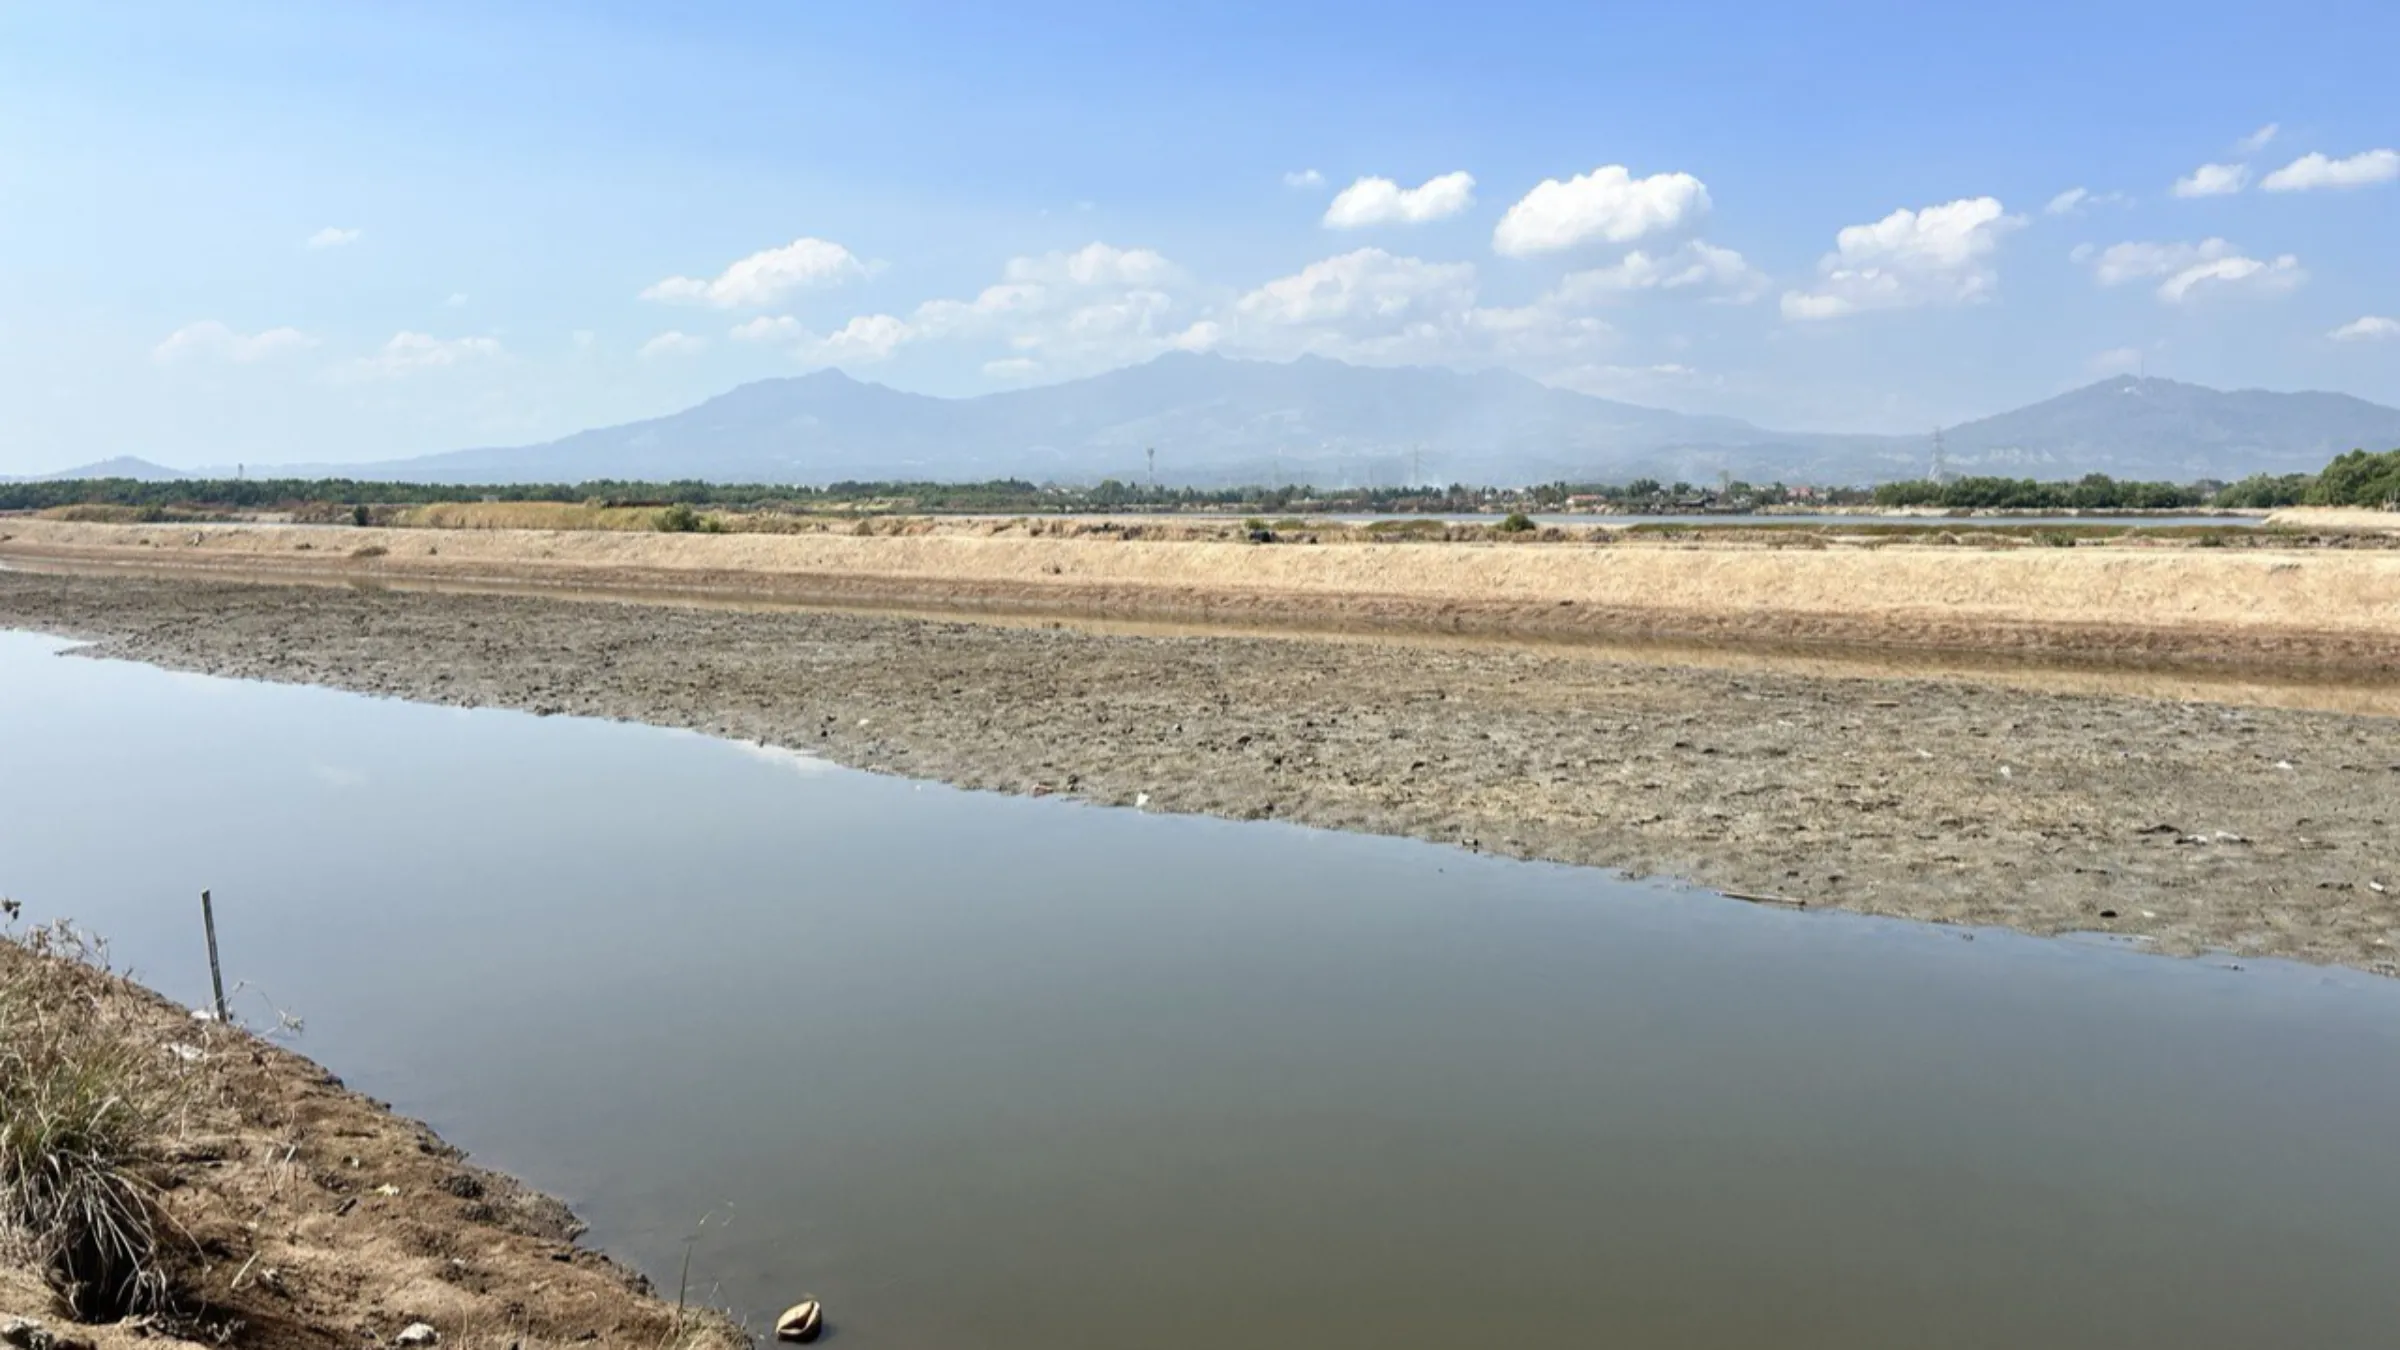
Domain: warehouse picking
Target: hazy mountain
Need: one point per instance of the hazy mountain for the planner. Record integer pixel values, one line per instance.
(1210, 418)
(2151, 428)
(123, 466)
(1215, 420)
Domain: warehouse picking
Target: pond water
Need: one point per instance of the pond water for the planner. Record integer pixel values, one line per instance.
(984, 1071)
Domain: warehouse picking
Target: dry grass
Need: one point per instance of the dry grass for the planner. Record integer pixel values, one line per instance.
(528, 516)
(84, 1110)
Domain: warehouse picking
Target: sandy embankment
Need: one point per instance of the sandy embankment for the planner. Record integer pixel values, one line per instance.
(2324, 609)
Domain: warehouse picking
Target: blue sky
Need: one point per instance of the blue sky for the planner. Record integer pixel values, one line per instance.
(323, 232)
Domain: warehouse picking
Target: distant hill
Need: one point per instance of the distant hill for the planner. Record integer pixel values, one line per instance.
(1212, 419)
(2161, 429)
(123, 466)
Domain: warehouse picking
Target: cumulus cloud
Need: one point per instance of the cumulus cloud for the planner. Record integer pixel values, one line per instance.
(2076, 200)
(1607, 204)
(1064, 312)
(2312, 171)
(2115, 361)
(408, 353)
(2257, 140)
(673, 342)
(2193, 270)
(1363, 293)
(1303, 178)
(2135, 259)
(2232, 275)
(764, 277)
(2213, 180)
(1695, 266)
(1380, 201)
(1372, 306)
(332, 236)
(210, 340)
(2367, 328)
(1941, 255)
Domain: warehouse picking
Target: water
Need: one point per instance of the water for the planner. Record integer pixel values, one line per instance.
(996, 1072)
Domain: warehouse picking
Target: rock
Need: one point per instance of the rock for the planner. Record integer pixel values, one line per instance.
(800, 1322)
(418, 1333)
(24, 1333)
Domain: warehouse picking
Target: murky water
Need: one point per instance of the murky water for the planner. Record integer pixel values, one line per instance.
(995, 1072)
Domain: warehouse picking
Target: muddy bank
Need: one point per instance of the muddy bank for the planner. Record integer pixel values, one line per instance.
(2191, 825)
(299, 1215)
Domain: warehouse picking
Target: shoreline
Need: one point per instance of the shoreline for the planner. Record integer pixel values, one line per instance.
(304, 1214)
(2188, 825)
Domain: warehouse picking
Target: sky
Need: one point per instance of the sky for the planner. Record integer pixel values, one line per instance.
(274, 233)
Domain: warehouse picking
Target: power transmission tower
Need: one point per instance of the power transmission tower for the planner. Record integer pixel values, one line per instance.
(1152, 452)
(1941, 458)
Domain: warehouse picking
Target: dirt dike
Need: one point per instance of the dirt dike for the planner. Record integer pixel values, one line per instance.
(2317, 609)
(2185, 825)
(304, 1216)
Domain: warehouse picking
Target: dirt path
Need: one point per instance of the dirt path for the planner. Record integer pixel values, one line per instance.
(2195, 825)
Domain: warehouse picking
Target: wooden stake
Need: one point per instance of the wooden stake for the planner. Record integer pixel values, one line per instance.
(216, 975)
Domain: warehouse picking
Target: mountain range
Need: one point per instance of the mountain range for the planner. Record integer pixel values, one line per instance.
(1218, 420)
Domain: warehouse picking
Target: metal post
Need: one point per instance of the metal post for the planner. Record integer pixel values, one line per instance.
(216, 975)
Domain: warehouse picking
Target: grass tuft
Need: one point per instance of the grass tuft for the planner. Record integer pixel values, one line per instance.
(83, 1118)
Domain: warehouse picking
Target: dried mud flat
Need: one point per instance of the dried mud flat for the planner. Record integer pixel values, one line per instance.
(2194, 826)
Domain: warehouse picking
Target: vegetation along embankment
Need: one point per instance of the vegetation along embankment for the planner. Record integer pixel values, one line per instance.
(167, 1181)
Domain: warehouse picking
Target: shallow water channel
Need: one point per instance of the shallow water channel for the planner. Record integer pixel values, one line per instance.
(984, 1071)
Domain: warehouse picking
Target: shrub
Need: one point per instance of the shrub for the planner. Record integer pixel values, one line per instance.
(1517, 523)
(83, 1114)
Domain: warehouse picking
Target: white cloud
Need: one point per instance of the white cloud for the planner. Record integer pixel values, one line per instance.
(781, 328)
(869, 337)
(1012, 368)
(1608, 203)
(1380, 201)
(2135, 260)
(1363, 293)
(1940, 255)
(2115, 361)
(1697, 265)
(673, 342)
(2236, 274)
(333, 236)
(208, 339)
(2213, 180)
(1095, 264)
(764, 277)
(2075, 201)
(457, 300)
(409, 352)
(2191, 270)
(2312, 171)
(583, 338)
(2257, 140)
(2367, 328)
(1067, 312)
(1303, 178)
